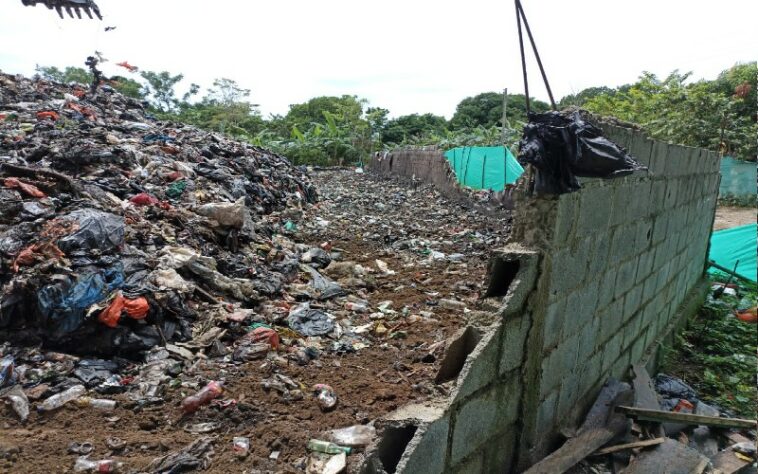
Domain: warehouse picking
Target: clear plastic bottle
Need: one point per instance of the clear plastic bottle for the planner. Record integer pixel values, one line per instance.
(99, 403)
(327, 447)
(104, 465)
(203, 397)
(60, 399)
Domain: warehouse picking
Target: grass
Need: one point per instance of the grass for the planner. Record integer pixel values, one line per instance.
(716, 354)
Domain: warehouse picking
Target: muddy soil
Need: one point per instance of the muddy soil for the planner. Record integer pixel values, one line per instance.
(437, 250)
(728, 217)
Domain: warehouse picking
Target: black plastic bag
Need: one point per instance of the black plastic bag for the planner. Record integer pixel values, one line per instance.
(562, 147)
(97, 230)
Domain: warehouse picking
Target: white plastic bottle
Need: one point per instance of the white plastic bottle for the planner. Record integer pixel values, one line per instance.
(60, 399)
(105, 465)
(99, 403)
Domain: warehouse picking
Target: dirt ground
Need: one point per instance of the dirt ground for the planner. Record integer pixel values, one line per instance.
(728, 217)
(367, 220)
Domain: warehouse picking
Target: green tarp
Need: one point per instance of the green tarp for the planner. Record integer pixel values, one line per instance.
(484, 167)
(737, 243)
(737, 177)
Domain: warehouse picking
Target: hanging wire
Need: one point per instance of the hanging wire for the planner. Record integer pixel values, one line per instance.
(523, 58)
(520, 15)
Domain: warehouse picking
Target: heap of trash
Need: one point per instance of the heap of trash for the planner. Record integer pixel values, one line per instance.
(119, 232)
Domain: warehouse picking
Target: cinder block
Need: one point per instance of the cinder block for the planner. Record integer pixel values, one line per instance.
(658, 158)
(499, 455)
(601, 245)
(429, 454)
(555, 317)
(514, 335)
(644, 236)
(641, 148)
(657, 195)
(594, 210)
(625, 277)
(475, 424)
(621, 202)
(606, 289)
(588, 337)
(480, 368)
(574, 314)
(632, 301)
(672, 189)
(640, 200)
(622, 245)
(560, 362)
(472, 465)
(546, 411)
(568, 396)
(644, 266)
(565, 271)
(568, 207)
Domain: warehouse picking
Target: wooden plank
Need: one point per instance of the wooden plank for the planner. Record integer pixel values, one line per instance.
(601, 425)
(687, 418)
(637, 444)
(645, 396)
(727, 462)
(671, 457)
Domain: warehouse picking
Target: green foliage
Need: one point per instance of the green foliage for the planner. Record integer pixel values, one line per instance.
(69, 74)
(128, 87)
(486, 110)
(412, 127)
(716, 354)
(159, 89)
(719, 115)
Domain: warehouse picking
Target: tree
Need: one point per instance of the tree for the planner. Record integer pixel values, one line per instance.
(717, 115)
(486, 110)
(69, 74)
(349, 107)
(408, 127)
(160, 89)
(128, 87)
(226, 92)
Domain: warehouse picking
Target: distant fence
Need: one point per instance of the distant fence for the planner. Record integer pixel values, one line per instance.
(738, 178)
(484, 167)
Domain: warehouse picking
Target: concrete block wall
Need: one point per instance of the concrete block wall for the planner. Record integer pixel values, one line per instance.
(619, 259)
(421, 165)
(594, 280)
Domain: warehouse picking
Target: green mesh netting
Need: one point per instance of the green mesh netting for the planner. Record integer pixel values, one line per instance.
(737, 177)
(484, 167)
(737, 243)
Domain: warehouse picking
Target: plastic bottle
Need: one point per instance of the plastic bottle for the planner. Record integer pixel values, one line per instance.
(321, 446)
(99, 403)
(203, 397)
(104, 465)
(60, 399)
(241, 446)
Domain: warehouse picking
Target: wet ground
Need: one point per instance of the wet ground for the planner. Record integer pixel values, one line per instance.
(424, 255)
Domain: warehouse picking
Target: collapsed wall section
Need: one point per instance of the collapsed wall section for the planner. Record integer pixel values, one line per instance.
(589, 284)
(424, 165)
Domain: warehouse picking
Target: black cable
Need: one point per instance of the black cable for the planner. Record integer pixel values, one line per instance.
(523, 58)
(520, 9)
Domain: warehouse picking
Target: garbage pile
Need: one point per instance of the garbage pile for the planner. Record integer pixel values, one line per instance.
(119, 233)
(173, 300)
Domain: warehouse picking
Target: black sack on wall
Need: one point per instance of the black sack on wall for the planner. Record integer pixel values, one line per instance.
(563, 146)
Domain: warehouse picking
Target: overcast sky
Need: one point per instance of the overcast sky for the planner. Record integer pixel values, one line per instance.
(405, 55)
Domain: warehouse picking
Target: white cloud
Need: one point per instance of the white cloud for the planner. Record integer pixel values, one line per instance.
(408, 56)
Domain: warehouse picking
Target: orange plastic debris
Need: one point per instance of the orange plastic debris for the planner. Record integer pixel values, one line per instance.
(262, 334)
(86, 111)
(748, 315)
(128, 66)
(44, 250)
(47, 115)
(134, 308)
(25, 188)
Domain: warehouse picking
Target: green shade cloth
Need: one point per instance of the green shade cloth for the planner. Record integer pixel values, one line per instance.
(484, 167)
(737, 177)
(737, 243)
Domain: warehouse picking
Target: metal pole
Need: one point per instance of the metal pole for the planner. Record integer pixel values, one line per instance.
(505, 114)
(523, 58)
(520, 9)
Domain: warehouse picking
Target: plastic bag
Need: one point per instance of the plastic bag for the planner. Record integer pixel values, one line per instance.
(63, 305)
(309, 322)
(563, 147)
(96, 230)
